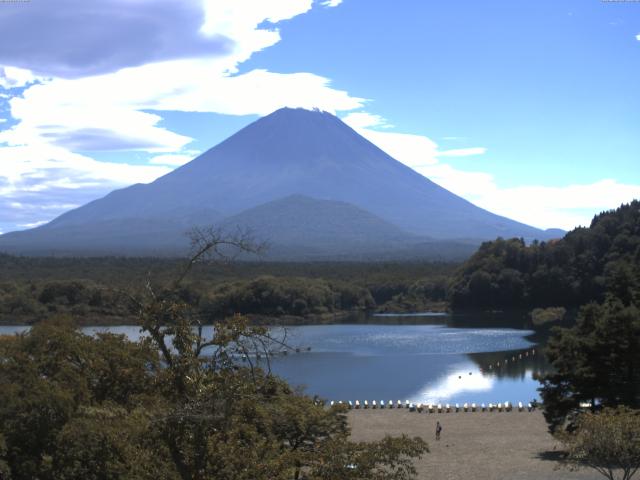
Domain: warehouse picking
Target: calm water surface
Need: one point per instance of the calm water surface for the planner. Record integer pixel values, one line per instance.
(435, 358)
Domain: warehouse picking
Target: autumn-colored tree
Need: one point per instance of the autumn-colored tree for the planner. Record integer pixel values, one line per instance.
(608, 442)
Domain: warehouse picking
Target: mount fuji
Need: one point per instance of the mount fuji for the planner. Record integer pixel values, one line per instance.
(302, 180)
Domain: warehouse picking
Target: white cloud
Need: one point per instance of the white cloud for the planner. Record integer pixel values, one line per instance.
(331, 3)
(463, 152)
(40, 182)
(564, 207)
(365, 120)
(638, 37)
(412, 150)
(544, 207)
(21, 163)
(257, 92)
(85, 115)
(104, 112)
(239, 19)
(12, 77)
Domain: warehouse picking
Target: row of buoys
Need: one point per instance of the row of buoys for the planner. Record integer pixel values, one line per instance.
(431, 408)
(273, 353)
(286, 352)
(514, 358)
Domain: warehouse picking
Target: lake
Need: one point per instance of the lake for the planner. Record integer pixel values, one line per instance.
(419, 357)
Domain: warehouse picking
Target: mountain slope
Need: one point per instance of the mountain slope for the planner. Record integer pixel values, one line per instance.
(290, 152)
(300, 220)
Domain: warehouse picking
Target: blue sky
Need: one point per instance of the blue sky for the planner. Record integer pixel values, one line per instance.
(528, 109)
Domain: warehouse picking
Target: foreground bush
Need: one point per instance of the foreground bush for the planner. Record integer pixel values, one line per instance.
(608, 442)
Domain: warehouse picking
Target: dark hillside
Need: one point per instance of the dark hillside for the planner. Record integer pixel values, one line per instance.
(584, 266)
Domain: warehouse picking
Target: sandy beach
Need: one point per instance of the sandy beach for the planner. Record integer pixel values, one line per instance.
(474, 446)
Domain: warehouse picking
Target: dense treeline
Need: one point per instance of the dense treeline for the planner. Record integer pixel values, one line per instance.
(96, 290)
(596, 362)
(127, 271)
(288, 296)
(580, 268)
(84, 300)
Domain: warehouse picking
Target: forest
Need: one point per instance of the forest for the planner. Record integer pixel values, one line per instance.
(97, 290)
(585, 266)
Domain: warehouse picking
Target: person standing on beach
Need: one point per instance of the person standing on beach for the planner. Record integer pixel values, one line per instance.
(438, 430)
